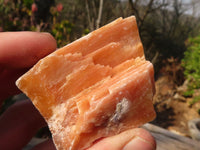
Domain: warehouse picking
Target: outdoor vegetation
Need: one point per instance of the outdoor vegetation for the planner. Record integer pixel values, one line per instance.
(169, 31)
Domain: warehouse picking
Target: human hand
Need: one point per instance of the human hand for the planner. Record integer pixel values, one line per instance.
(133, 139)
(18, 52)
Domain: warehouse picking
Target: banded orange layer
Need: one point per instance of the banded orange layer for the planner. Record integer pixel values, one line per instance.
(97, 86)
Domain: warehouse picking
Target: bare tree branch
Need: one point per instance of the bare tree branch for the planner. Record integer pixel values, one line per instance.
(99, 14)
(121, 10)
(154, 60)
(134, 9)
(94, 8)
(88, 16)
(149, 8)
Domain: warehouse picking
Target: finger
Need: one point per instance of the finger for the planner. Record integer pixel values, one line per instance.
(18, 124)
(134, 139)
(7, 82)
(24, 49)
(47, 145)
(18, 52)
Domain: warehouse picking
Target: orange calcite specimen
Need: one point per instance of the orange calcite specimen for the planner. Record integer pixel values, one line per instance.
(97, 86)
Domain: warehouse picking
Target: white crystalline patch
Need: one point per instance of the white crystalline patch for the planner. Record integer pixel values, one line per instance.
(58, 117)
(100, 35)
(120, 93)
(125, 28)
(122, 108)
(41, 66)
(93, 97)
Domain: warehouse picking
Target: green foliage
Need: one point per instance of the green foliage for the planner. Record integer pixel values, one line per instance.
(28, 3)
(18, 16)
(62, 31)
(15, 15)
(198, 111)
(188, 93)
(86, 31)
(191, 63)
(194, 100)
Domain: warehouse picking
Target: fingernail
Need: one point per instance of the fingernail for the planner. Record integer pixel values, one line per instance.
(138, 144)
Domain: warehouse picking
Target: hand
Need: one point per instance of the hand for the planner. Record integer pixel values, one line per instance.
(18, 52)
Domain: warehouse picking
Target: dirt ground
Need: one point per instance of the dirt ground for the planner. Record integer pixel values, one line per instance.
(173, 110)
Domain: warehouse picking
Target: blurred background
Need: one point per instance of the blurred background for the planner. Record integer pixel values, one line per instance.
(169, 30)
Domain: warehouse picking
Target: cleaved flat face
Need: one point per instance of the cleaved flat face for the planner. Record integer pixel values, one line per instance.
(97, 86)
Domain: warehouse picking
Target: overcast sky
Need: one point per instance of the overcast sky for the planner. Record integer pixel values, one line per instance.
(189, 8)
(195, 9)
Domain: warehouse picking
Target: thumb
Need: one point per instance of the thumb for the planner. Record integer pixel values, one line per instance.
(134, 139)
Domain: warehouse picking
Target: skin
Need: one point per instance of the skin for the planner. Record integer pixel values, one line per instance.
(19, 51)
